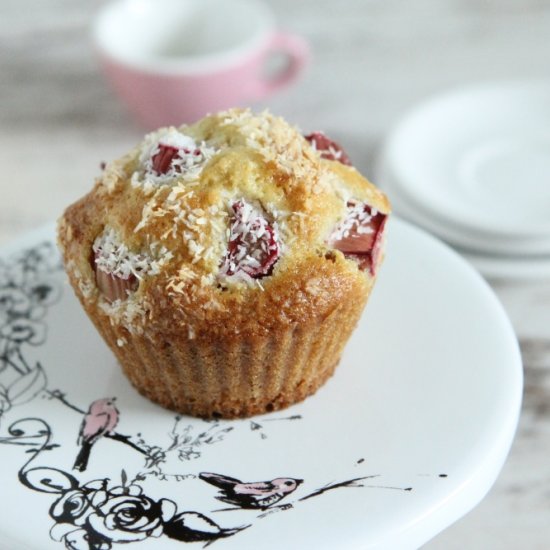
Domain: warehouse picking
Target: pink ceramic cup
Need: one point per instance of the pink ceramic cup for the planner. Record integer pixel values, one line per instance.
(173, 61)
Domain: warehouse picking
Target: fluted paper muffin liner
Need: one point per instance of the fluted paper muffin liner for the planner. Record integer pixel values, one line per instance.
(231, 377)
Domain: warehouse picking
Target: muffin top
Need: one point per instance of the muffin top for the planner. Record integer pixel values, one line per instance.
(236, 218)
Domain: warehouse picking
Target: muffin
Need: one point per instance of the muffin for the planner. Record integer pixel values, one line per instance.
(226, 263)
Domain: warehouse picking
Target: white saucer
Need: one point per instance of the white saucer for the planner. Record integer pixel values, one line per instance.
(508, 268)
(480, 158)
(407, 437)
(473, 249)
(534, 249)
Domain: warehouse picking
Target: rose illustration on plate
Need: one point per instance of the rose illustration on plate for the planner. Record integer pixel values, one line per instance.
(80, 539)
(94, 517)
(121, 514)
(126, 515)
(73, 507)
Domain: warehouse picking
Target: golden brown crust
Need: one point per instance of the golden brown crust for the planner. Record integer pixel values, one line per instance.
(186, 305)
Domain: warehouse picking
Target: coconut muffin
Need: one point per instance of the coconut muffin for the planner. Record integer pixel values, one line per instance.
(226, 263)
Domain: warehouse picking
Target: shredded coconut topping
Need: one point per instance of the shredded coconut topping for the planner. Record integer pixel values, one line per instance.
(275, 140)
(131, 314)
(113, 257)
(168, 156)
(188, 223)
(253, 243)
(356, 222)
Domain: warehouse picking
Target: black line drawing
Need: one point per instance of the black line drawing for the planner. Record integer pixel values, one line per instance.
(98, 513)
(258, 495)
(257, 424)
(27, 290)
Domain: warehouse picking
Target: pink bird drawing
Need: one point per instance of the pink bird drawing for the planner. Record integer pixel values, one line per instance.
(101, 419)
(258, 495)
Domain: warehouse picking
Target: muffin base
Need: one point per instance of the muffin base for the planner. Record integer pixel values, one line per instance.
(236, 408)
(234, 377)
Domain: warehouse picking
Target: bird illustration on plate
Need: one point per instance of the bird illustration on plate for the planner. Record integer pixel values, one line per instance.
(258, 495)
(101, 419)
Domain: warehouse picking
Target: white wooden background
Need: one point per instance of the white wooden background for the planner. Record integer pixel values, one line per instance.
(373, 59)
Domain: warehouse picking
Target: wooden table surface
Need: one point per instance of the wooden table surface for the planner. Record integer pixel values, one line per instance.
(372, 60)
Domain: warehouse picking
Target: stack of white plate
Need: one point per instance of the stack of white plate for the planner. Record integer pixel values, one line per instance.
(473, 168)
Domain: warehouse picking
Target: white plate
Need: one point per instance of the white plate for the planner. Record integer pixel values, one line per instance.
(480, 157)
(408, 435)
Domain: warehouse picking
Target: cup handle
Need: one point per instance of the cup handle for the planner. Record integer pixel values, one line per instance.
(296, 49)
